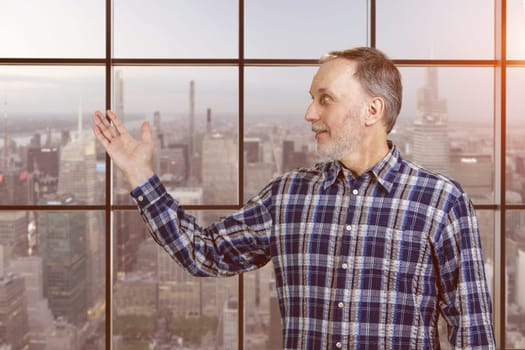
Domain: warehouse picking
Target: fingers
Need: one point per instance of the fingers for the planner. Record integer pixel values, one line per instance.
(145, 132)
(103, 128)
(119, 126)
(100, 124)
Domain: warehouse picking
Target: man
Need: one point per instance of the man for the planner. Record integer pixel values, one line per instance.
(368, 248)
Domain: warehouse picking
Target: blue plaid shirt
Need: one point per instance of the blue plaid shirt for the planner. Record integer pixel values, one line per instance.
(363, 262)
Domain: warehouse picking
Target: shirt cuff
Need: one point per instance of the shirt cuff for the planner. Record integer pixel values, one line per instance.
(148, 192)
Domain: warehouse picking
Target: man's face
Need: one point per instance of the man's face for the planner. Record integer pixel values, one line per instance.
(338, 108)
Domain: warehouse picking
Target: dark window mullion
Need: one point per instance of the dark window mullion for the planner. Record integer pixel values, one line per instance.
(107, 211)
(240, 289)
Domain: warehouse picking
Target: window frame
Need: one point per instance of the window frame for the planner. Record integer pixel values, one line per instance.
(499, 207)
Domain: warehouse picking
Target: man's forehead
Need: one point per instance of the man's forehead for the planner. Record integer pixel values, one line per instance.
(331, 73)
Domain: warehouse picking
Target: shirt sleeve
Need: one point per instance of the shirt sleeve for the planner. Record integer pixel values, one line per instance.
(237, 243)
(465, 300)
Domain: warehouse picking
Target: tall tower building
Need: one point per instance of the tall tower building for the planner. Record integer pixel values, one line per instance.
(228, 325)
(431, 146)
(119, 94)
(43, 164)
(16, 186)
(40, 318)
(220, 167)
(63, 250)
(14, 329)
(520, 278)
(13, 233)
(78, 177)
(130, 232)
(77, 174)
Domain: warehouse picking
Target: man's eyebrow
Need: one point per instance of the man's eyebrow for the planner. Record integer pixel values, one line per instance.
(321, 90)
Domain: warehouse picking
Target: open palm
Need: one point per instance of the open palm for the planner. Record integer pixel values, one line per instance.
(133, 157)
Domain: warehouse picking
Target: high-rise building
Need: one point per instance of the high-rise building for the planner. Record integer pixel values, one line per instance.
(119, 94)
(220, 167)
(63, 249)
(520, 278)
(291, 158)
(13, 232)
(252, 150)
(77, 173)
(430, 136)
(130, 232)
(174, 164)
(14, 329)
(16, 186)
(228, 325)
(40, 318)
(43, 163)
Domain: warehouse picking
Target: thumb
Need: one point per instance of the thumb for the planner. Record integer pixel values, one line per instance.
(145, 132)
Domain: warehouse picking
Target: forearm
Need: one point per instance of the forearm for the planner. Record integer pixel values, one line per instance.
(223, 249)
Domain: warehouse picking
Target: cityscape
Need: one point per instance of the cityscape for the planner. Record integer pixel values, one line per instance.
(52, 266)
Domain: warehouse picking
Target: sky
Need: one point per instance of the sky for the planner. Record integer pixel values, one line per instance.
(419, 29)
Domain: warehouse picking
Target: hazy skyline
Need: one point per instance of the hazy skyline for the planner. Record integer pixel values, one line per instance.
(208, 28)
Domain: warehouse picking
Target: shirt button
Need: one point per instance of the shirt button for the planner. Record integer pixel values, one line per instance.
(355, 191)
(140, 198)
(338, 345)
(344, 266)
(349, 227)
(340, 305)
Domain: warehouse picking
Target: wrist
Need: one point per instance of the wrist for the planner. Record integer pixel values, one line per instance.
(139, 176)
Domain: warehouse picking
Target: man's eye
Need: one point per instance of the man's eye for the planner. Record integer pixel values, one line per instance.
(325, 99)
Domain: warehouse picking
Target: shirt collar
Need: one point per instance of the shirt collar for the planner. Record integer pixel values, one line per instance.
(384, 172)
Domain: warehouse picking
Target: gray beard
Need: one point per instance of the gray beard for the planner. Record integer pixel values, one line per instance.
(339, 149)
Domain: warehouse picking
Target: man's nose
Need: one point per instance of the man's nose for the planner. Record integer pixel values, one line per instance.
(312, 114)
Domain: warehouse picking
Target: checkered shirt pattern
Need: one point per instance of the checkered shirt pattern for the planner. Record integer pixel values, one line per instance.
(364, 262)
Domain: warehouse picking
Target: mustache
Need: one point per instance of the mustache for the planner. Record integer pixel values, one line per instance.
(319, 128)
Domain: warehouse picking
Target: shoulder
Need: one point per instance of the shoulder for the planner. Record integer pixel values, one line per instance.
(425, 181)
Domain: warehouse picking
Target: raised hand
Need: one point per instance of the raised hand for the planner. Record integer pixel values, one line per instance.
(133, 157)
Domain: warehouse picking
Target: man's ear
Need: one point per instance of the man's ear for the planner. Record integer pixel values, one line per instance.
(375, 112)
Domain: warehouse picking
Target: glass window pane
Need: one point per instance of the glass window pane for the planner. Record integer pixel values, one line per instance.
(176, 28)
(263, 327)
(193, 114)
(154, 298)
(277, 137)
(515, 279)
(64, 272)
(415, 29)
(48, 150)
(303, 29)
(60, 28)
(515, 166)
(515, 29)
(446, 125)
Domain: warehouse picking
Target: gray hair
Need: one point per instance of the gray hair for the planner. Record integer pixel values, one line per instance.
(378, 76)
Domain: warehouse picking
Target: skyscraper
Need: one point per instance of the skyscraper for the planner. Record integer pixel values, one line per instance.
(119, 94)
(43, 163)
(77, 173)
(63, 251)
(13, 232)
(40, 318)
(14, 329)
(16, 186)
(220, 167)
(430, 143)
